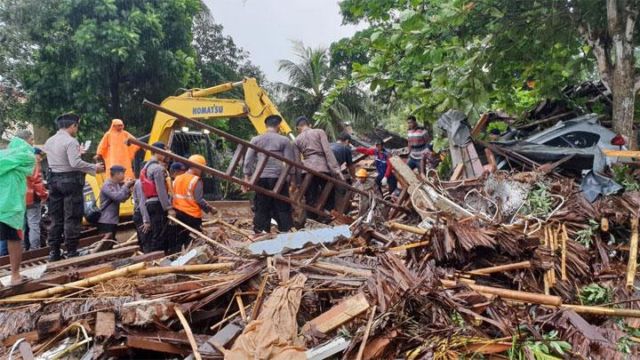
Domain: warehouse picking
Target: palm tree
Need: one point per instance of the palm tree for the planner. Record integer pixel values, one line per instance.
(309, 80)
(312, 82)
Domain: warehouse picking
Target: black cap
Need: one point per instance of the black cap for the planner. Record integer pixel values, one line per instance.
(37, 151)
(379, 141)
(302, 119)
(159, 145)
(178, 166)
(117, 169)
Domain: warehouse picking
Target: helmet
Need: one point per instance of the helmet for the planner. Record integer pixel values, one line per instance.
(198, 159)
(362, 173)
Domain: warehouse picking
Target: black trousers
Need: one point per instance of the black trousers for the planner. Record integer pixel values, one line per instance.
(312, 195)
(267, 208)
(142, 237)
(183, 235)
(157, 239)
(66, 209)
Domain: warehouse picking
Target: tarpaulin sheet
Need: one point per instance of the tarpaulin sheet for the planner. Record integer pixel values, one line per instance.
(273, 335)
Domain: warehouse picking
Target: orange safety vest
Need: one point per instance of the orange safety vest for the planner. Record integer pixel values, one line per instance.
(183, 198)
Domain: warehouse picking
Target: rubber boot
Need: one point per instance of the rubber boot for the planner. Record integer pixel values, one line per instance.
(54, 254)
(72, 249)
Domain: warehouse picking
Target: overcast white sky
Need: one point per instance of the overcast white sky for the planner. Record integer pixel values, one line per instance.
(265, 28)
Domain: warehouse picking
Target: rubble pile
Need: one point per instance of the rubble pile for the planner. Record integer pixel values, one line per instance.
(506, 265)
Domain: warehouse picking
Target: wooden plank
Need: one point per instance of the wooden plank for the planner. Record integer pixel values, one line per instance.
(622, 153)
(49, 324)
(339, 314)
(105, 325)
(324, 196)
(44, 251)
(480, 125)
(221, 338)
(91, 258)
(157, 346)
(491, 160)
(282, 179)
(238, 155)
(187, 330)
(30, 337)
(457, 172)
(261, 164)
(35, 285)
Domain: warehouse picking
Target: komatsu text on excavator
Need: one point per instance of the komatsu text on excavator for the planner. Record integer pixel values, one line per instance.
(199, 104)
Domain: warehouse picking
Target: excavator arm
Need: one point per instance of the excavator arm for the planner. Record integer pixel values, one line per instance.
(199, 104)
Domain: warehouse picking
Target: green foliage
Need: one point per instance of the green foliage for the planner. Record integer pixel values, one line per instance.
(549, 348)
(539, 202)
(501, 126)
(437, 54)
(101, 58)
(585, 236)
(622, 174)
(595, 294)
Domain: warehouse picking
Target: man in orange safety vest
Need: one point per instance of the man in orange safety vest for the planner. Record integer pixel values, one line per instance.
(188, 199)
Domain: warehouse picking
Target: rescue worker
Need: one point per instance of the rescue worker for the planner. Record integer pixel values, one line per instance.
(316, 153)
(342, 151)
(418, 143)
(381, 156)
(141, 216)
(158, 203)
(113, 148)
(114, 191)
(188, 199)
(66, 181)
(36, 194)
(363, 183)
(267, 207)
(176, 169)
(16, 163)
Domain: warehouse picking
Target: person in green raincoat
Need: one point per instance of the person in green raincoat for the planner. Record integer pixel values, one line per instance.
(16, 163)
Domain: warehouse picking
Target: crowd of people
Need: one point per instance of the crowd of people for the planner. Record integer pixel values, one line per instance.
(164, 192)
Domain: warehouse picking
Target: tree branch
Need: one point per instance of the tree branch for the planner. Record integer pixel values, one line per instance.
(600, 52)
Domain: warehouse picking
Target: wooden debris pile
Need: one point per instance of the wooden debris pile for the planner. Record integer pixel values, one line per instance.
(477, 270)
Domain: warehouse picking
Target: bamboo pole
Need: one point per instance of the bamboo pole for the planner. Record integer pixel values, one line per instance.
(522, 296)
(553, 242)
(601, 310)
(187, 330)
(88, 282)
(367, 331)
(633, 253)
(563, 266)
(501, 268)
(545, 277)
(412, 229)
(185, 269)
(205, 237)
(410, 246)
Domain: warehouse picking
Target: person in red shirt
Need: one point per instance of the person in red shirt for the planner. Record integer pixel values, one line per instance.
(383, 166)
(36, 195)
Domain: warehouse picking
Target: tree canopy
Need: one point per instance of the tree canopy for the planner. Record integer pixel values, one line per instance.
(476, 55)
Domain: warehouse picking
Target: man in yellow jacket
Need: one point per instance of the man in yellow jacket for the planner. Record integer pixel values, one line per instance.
(188, 198)
(114, 150)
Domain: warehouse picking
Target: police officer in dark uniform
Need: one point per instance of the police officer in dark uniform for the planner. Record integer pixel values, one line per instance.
(66, 175)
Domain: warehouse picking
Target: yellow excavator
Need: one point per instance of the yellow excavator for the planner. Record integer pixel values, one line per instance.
(199, 104)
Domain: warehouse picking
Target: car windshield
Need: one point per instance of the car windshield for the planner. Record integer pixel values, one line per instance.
(575, 139)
